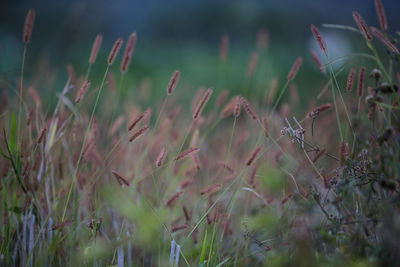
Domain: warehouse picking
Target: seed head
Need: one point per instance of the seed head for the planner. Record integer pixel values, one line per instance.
(318, 38)
(29, 22)
(138, 133)
(317, 61)
(82, 91)
(378, 34)
(95, 49)
(186, 153)
(254, 155)
(380, 11)
(203, 101)
(173, 82)
(362, 26)
(295, 68)
(350, 79)
(130, 46)
(114, 51)
(361, 78)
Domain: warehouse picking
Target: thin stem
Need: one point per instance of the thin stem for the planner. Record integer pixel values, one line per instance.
(84, 143)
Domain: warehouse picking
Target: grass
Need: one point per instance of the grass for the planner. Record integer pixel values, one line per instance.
(326, 196)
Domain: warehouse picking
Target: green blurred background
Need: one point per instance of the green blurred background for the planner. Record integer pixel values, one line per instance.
(184, 35)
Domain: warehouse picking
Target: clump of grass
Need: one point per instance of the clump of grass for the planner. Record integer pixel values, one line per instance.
(272, 188)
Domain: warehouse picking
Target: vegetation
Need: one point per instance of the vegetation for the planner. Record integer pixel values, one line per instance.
(94, 177)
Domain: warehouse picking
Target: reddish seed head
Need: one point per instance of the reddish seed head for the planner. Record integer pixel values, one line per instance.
(186, 153)
(316, 111)
(171, 201)
(203, 101)
(82, 91)
(361, 77)
(95, 49)
(136, 120)
(29, 22)
(378, 34)
(223, 53)
(173, 82)
(130, 46)
(226, 166)
(236, 111)
(254, 155)
(138, 133)
(249, 110)
(362, 26)
(228, 109)
(120, 179)
(210, 189)
(186, 183)
(161, 157)
(317, 61)
(114, 51)
(350, 80)
(178, 228)
(295, 68)
(252, 64)
(380, 11)
(318, 38)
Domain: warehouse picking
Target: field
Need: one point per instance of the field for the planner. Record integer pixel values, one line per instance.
(262, 158)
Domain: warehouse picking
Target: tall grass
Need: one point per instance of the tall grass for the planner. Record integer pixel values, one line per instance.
(210, 186)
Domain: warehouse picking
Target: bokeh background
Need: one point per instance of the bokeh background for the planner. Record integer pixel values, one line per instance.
(185, 35)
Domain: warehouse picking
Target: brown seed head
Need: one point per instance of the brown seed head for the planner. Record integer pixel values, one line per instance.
(120, 179)
(362, 26)
(295, 68)
(186, 153)
(210, 189)
(350, 79)
(203, 101)
(29, 22)
(254, 155)
(171, 201)
(378, 34)
(249, 110)
(139, 133)
(173, 82)
(128, 53)
(161, 157)
(137, 120)
(317, 61)
(82, 91)
(318, 38)
(95, 49)
(316, 111)
(114, 51)
(252, 64)
(236, 111)
(380, 11)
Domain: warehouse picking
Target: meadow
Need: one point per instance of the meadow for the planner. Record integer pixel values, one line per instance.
(246, 167)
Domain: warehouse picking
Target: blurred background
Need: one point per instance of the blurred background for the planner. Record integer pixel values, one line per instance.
(185, 35)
